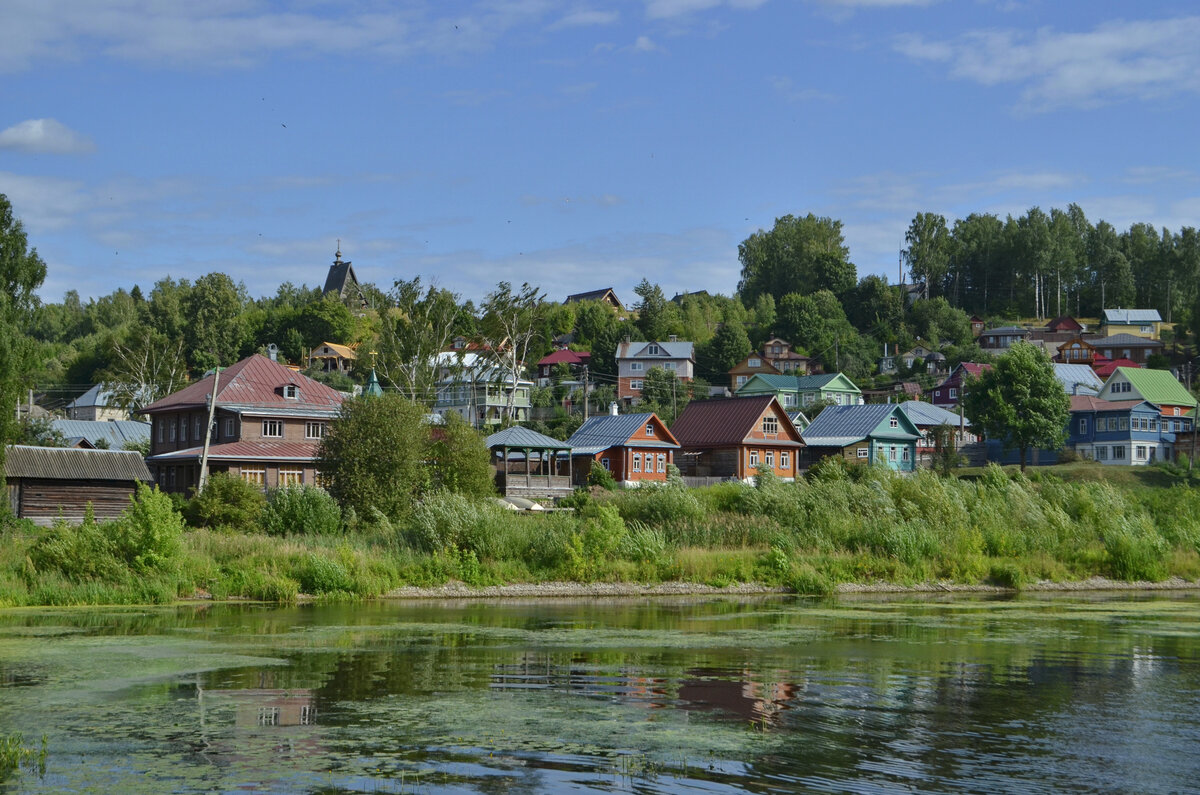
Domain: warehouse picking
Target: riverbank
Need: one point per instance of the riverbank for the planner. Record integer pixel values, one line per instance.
(842, 530)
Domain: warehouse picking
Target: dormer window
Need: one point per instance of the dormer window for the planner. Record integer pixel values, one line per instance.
(755, 363)
(893, 423)
(654, 350)
(649, 429)
(291, 392)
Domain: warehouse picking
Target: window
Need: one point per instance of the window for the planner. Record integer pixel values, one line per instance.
(272, 428)
(1119, 451)
(649, 429)
(1083, 425)
(808, 398)
(769, 458)
(670, 365)
(174, 427)
(1154, 423)
(291, 392)
(228, 428)
(937, 393)
(1176, 410)
(256, 476)
(891, 453)
(183, 429)
(604, 462)
(1147, 329)
(904, 454)
(635, 367)
(171, 477)
(863, 452)
(953, 392)
(637, 462)
(753, 458)
(636, 384)
(196, 429)
(1124, 426)
(314, 430)
(654, 350)
(754, 363)
(290, 477)
(893, 423)
(789, 401)
(1102, 452)
(268, 716)
(307, 713)
(662, 462)
(770, 425)
(785, 460)
(1140, 452)
(160, 424)
(741, 379)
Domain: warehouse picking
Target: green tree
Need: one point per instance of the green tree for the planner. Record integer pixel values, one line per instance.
(936, 322)
(511, 328)
(213, 330)
(798, 255)
(419, 323)
(1019, 401)
(655, 313)
(21, 273)
(372, 457)
(459, 459)
(928, 252)
(729, 346)
(327, 320)
(664, 394)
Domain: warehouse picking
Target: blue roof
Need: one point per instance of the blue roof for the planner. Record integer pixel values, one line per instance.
(1124, 316)
(1078, 379)
(97, 397)
(838, 426)
(608, 430)
(522, 438)
(929, 414)
(116, 432)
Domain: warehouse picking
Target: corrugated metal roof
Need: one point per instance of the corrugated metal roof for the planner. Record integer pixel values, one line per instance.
(524, 438)
(1125, 340)
(254, 381)
(929, 414)
(1157, 386)
(718, 423)
(115, 432)
(605, 431)
(565, 357)
(1090, 403)
(1132, 316)
(670, 350)
(254, 451)
(795, 382)
(96, 397)
(1078, 379)
(838, 426)
(74, 463)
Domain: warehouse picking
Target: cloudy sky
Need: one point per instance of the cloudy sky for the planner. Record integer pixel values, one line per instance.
(569, 143)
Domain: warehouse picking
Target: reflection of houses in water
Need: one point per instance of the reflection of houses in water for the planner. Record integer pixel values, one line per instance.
(538, 672)
(744, 697)
(265, 706)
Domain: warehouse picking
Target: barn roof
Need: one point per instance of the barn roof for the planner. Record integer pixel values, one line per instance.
(254, 381)
(74, 463)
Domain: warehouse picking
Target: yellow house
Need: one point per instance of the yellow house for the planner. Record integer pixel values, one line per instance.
(1138, 322)
(332, 358)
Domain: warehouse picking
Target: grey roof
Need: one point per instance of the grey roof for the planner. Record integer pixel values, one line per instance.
(97, 396)
(1129, 340)
(1006, 330)
(670, 350)
(74, 463)
(523, 438)
(798, 383)
(1132, 316)
(602, 432)
(116, 432)
(1078, 379)
(928, 414)
(838, 426)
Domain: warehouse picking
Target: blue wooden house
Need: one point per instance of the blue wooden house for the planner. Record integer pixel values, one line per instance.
(874, 433)
(1122, 432)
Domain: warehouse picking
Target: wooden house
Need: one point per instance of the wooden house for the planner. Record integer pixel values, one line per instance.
(634, 448)
(1064, 323)
(744, 370)
(330, 357)
(798, 391)
(730, 439)
(575, 360)
(1002, 338)
(267, 425)
(1127, 346)
(1124, 432)
(1076, 350)
(342, 283)
(48, 483)
(779, 354)
(927, 418)
(1159, 387)
(1138, 322)
(871, 434)
(604, 295)
(949, 393)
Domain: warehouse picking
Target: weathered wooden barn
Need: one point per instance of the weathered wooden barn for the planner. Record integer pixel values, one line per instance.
(48, 483)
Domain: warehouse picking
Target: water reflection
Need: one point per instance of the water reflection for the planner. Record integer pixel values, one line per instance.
(760, 695)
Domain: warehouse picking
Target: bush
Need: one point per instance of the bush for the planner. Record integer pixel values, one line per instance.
(227, 503)
(601, 477)
(150, 534)
(444, 521)
(299, 510)
(1136, 553)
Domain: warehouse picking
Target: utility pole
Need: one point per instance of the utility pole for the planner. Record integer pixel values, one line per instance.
(212, 410)
(585, 393)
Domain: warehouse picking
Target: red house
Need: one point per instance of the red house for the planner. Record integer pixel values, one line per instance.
(576, 360)
(633, 447)
(949, 393)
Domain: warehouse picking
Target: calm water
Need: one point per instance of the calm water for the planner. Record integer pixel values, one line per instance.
(762, 695)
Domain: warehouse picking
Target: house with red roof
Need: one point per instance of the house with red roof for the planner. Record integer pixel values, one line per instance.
(267, 425)
(576, 360)
(948, 394)
(731, 438)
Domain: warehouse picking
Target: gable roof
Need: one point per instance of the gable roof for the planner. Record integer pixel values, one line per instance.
(607, 430)
(74, 463)
(252, 382)
(963, 369)
(670, 350)
(1106, 367)
(341, 276)
(929, 414)
(116, 432)
(719, 423)
(596, 295)
(565, 356)
(1064, 323)
(838, 426)
(345, 351)
(96, 397)
(1131, 316)
(1125, 340)
(1091, 403)
(1077, 379)
(524, 438)
(1156, 386)
(797, 383)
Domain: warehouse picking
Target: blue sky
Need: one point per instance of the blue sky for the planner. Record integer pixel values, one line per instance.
(571, 144)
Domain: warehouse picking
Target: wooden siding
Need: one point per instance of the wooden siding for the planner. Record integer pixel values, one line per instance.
(45, 501)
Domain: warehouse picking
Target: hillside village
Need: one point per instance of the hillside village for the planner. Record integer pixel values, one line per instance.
(698, 382)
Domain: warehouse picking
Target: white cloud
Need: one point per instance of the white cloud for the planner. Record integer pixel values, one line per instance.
(45, 136)
(791, 93)
(585, 18)
(1116, 61)
(644, 44)
(666, 9)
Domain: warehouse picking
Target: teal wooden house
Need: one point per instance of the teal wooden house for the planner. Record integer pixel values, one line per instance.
(878, 433)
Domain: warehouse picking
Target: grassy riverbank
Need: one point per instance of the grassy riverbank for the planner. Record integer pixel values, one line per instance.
(839, 526)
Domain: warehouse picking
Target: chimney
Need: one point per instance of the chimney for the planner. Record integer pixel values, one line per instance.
(612, 409)
(273, 351)
(673, 338)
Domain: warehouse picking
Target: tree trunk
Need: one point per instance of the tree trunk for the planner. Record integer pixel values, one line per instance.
(1023, 451)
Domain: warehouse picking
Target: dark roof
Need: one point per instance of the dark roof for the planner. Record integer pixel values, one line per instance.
(568, 357)
(715, 423)
(838, 426)
(253, 451)
(1125, 340)
(678, 297)
(1092, 403)
(608, 430)
(1064, 323)
(596, 295)
(255, 381)
(74, 463)
(341, 276)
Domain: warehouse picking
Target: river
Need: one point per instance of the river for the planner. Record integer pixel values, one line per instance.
(706, 695)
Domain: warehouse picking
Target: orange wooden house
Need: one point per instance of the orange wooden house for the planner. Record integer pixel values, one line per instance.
(633, 447)
(731, 438)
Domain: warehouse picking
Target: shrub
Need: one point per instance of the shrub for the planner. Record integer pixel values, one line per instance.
(1136, 553)
(227, 503)
(150, 533)
(600, 477)
(444, 520)
(297, 510)
(318, 574)
(660, 505)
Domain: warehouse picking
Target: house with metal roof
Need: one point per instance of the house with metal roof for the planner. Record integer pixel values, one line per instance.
(575, 361)
(798, 391)
(1003, 337)
(96, 404)
(478, 389)
(111, 434)
(1078, 379)
(927, 418)
(1127, 346)
(267, 424)
(730, 439)
(1138, 322)
(48, 483)
(1122, 432)
(635, 359)
(604, 295)
(634, 448)
(948, 394)
(875, 433)
(1175, 403)
(530, 464)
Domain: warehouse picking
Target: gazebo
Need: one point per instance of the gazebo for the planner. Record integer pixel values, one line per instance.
(516, 446)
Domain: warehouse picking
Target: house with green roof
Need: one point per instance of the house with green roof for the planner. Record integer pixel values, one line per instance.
(798, 391)
(1178, 406)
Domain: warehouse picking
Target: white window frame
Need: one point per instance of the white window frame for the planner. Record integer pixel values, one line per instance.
(607, 464)
(953, 392)
(635, 367)
(636, 384)
(291, 392)
(314, 430)
(785, 459)
(893, 422)
(269, 428)
(649, 428)
(654, 350)
(864, 452)
(637, 462)
(1101, 452)
(183, 429)
(769, 459)
(770, 424)
(290, 476)
(174, 429)
(662, 462)
(228, 427)
(1139, 452)
(741, 379)
(161, 423)
(1083, 424)
(1118, 452)
(196, 428)
(753, 459)
(754, 363)
(255, 476)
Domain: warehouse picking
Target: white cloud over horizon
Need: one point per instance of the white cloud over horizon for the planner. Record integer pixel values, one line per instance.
(45, 136)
